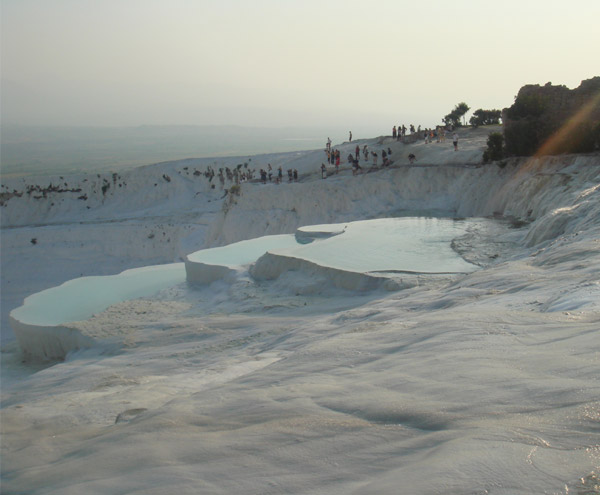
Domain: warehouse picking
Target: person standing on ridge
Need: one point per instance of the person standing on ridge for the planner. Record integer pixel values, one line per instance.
(350, 138)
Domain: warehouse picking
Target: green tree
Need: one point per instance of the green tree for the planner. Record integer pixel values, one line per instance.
(529, 125)
(552, 120)
(495, 147)
(485, 117)
(453, 118)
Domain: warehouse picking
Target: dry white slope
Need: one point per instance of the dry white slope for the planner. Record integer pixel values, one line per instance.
(483, 384)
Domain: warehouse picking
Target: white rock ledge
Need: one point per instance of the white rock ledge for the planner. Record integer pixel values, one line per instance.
(48, 343)
(41, 324)
(205, 273)
(308, 234)
(361, 255)
(271, 266)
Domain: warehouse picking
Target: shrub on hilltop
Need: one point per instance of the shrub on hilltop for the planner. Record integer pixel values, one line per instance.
(485, 117)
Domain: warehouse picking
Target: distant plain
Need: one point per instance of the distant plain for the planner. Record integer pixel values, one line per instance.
(66, 150)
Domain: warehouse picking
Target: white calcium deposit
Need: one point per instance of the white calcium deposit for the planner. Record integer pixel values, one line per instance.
(475, 381)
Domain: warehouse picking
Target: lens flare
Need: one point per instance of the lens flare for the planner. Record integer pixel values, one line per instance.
(568, 134)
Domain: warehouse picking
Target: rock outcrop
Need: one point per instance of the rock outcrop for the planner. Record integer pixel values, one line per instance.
(550, 120)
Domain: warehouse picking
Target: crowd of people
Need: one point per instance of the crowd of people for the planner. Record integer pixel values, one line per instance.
(333, 158)
(438, 134)
(267, 175)
(429, 135)
(370, 158)
(400, 132)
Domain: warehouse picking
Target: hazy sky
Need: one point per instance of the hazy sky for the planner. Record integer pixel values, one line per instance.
(284, 62)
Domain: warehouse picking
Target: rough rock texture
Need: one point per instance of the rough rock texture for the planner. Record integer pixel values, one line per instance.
(549, 120)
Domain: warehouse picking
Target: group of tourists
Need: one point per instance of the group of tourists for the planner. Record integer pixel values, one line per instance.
(232, 175)
(385, 158)
(267, 174)
(438, 134)
(400, 132)
(333, 158)
(429, 135)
